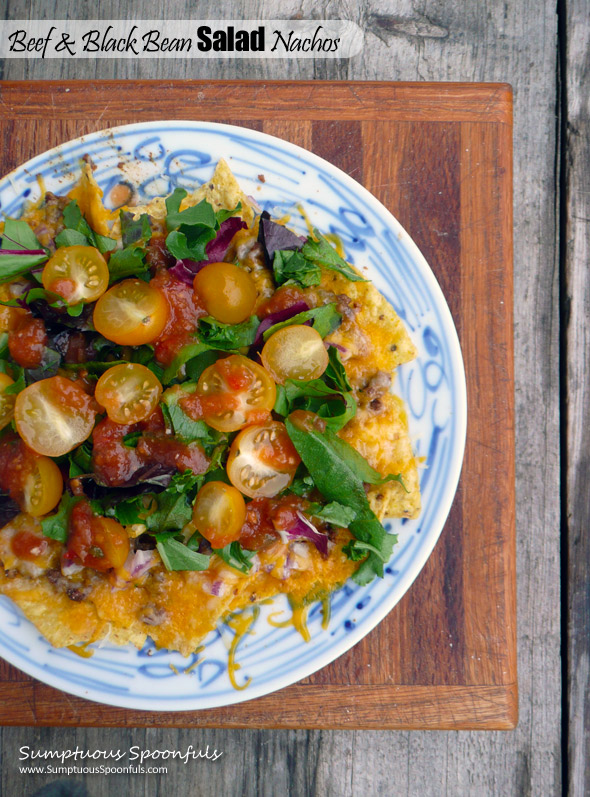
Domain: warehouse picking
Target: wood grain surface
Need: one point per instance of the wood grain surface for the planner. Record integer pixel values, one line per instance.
(501, 40)
(576, 377)
(450, 645)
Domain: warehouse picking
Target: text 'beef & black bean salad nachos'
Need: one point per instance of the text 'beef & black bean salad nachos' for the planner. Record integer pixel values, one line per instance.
(195, 412)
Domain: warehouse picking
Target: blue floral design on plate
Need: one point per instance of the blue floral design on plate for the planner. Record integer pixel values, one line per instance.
(156, 157)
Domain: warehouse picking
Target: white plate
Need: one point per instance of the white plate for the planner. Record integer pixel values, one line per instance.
(160, 156)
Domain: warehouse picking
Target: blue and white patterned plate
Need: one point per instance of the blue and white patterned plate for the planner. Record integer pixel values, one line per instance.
(157, 157)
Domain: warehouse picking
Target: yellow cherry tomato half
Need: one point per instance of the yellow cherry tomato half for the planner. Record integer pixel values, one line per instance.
(77, 274)
(54, 415)
(6, 402)
(232, 393)
(219, 513)
(295, 352)
(129, 392)
(227, 291)
(131, 313)
(43, 487)
(262, 460)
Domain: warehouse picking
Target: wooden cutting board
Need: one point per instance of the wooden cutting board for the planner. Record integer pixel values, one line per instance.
(439, 156)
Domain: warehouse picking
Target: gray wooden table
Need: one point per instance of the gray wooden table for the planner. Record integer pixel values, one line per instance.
(544, 53)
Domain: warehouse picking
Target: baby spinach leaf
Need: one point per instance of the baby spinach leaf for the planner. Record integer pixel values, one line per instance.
(176, 556)
(323, 253)
(19, 235)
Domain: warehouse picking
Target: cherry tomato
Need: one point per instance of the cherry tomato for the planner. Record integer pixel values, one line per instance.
(98, 542)
(10, 317)
(262, 460)
(131, 313)
(6, 402)
(227, 291)
(129, 392)
(232, 393)
(43, 487)
(77, 274)
(295, 352)
(54, 415)
(33, 481)
(219, 513)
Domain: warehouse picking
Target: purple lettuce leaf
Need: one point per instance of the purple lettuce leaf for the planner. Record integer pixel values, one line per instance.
(216, 249)
(276, 318)
(274, 237)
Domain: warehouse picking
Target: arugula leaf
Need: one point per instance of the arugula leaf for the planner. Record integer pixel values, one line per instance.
(184, 427)
(78, 231)
(176, 556)
(223, 214)
(75, 309)
(335, 372)
(290, 266)
(359, 465)
(196, 366)
(128, 262)
(373, 564)
(235, 556)
(69, 237)
(56, 526)
(200, 214)
(173, 512)
(190, 243)
(188, 352)
(281, 406)
(323, 253)
(132, 439)
(302, 484)
(191, 229)
(174, 504)
(80, 460)
(335, 472)
(3, 344)
(228, 337)
(336, 407)
(325, 319)
(18, 374)
(335, 513)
